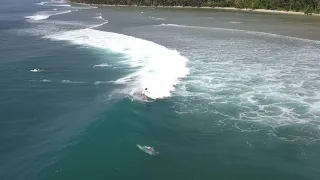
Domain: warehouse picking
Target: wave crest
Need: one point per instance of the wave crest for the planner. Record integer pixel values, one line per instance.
(157, 67)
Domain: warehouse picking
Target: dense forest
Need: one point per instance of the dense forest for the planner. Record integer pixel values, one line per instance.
(307, 6)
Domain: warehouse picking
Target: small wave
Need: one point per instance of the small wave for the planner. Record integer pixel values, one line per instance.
(37, 17)
(45, 15)
(42, 80)
(242, 31)
(98, 17)
(235, 22)
(98, 25)
(102, 82)
(101, 65)
(53, 3)
(41, 3)
(71, 82)
(45, 80)
(155, 18)
(159, 68)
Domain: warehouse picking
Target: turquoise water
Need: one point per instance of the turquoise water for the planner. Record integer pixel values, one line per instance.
(237, 94)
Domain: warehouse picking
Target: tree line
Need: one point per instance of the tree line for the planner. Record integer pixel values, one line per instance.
(306, 6)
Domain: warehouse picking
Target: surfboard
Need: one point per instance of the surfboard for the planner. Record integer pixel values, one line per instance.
(149, 96)
(152, 152)
(138, 97)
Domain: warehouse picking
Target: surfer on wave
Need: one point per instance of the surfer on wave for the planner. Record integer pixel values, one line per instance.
(143, 93)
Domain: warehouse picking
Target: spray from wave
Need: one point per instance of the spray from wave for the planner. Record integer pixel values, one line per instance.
(157, 67)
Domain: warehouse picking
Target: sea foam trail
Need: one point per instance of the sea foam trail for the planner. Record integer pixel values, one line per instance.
(242, 31)
(158, 68)
(41, 3)
(45, 15)
(101, 65)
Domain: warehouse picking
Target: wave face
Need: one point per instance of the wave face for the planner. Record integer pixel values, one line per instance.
(157, 68)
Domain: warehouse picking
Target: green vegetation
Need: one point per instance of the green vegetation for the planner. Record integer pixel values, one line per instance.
(306, 6)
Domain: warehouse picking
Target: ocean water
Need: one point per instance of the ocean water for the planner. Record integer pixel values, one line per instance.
(237, 94)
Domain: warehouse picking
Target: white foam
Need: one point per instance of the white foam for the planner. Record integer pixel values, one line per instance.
(242, 31)
(101, 65)
(42, 15)
(157, 67)
(98, 17)
(54, 3)
(37, 17)
(71, 82)
(235, 22)
(155, 18)
(98, 25)
(102, 82)
(60, 5)
(45, 80)
(251, 79)
(41, 3)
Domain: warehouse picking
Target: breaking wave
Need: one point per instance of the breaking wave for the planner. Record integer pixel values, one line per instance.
(157, 67)
(45, 15)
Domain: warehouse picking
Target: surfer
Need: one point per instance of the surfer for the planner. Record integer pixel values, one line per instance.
(143, 93)
(148, 149)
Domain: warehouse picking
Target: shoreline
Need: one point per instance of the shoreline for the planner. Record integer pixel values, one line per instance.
(213, 8)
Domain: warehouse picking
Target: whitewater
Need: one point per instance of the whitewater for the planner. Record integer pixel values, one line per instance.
(42, 15)
(236, 93)
(157, 68)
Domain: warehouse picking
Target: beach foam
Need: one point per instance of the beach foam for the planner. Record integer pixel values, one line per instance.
(157, 67)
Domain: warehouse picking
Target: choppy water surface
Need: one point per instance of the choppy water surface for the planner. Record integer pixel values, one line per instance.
(237, 94)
